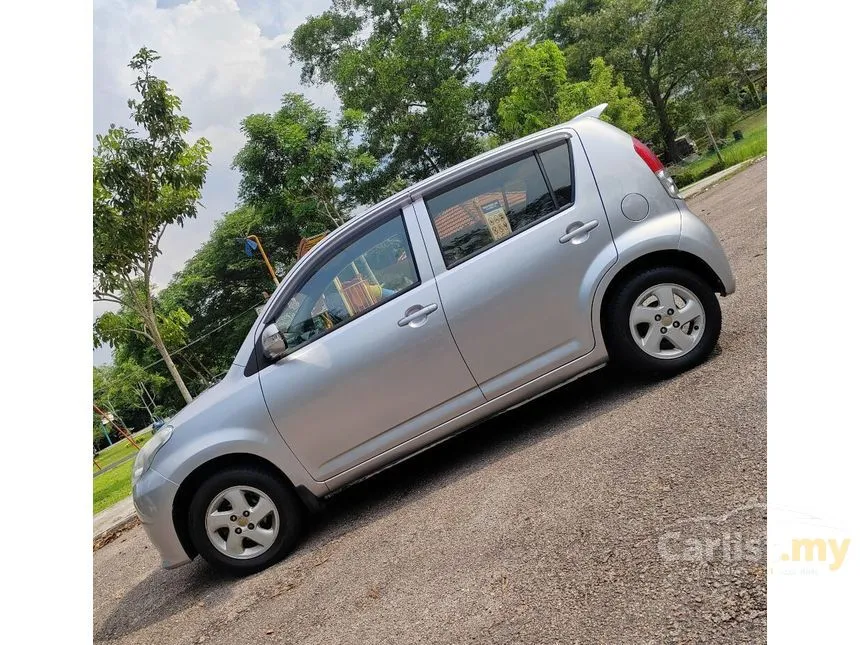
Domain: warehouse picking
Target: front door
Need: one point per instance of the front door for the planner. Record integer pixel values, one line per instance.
(517, 250)
(371, 360)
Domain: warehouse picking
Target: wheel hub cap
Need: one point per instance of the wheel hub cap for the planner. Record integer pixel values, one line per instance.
(242, 522)
(667, 321)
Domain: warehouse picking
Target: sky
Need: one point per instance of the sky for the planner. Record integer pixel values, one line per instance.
(225, 60)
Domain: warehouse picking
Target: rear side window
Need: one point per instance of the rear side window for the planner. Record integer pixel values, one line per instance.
(482, 211)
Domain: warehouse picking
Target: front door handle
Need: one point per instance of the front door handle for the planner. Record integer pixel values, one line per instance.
(416, 313)
(578, 232)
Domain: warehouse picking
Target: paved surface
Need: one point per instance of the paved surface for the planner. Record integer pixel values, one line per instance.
(542, 525)
(113, 518)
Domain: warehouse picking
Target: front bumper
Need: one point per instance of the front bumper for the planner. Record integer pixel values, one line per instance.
(153, 496)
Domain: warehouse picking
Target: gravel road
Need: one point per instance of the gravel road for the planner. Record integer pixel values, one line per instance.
(609, 511)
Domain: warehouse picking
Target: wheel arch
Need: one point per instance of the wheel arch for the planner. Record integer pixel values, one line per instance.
(667, 257)
(182, 499)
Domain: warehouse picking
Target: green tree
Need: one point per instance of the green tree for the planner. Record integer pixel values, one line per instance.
(662, 47)
(119, 388)
(540, 94)
(295, 164)
(409, 67)
(219, 285)
(141, 185)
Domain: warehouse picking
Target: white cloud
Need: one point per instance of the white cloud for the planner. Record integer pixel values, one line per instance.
(224, 59)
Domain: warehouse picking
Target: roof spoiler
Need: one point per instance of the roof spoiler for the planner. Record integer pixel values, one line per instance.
(596, 111)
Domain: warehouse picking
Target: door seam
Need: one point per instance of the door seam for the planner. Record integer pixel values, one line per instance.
(442, 303)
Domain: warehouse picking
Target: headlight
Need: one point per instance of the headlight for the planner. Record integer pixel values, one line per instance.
(146, 454)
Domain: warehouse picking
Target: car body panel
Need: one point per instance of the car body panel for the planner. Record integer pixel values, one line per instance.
(228, 418)
(233, 417)
(500, 294)
(698, 239)
(372, 384)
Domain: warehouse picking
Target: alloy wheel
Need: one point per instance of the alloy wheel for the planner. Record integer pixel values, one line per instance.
(242, 522)
(667, 321)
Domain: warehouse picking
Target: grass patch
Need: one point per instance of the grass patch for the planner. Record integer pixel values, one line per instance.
(752, 123)
(111, 487)
(120, 450)
(752, 145)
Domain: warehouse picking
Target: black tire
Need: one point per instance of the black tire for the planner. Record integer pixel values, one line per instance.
(291, 516)
(624, 352)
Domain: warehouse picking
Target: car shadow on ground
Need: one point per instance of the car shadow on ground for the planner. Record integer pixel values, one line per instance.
(166, 593)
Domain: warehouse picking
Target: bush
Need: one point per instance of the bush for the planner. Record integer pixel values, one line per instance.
(723, 119)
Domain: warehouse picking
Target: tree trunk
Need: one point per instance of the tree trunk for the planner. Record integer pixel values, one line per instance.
(667, 131)
(171, 366)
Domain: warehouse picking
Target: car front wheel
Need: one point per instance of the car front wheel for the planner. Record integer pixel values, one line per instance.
(663, 321)
(244, 519)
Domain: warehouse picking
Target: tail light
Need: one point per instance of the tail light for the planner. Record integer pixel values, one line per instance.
(656, 167)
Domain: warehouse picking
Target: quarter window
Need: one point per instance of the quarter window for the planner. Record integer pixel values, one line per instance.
(371, 270)
(475, 215)
(556, 163)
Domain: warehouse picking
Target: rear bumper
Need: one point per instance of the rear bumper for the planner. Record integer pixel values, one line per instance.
(153, 496)
(698, 239)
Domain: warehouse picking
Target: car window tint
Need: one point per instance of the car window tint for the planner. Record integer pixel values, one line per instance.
(556, 163)
(489, 208)
(374, 268)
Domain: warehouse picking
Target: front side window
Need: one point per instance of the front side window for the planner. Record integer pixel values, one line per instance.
(474, 215)
(374, 268)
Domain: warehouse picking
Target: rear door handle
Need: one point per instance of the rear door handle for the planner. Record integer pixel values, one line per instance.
(414, 315)
(578, 230)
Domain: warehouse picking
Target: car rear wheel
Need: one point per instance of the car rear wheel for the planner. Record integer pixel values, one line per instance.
(663, 321)
(244, 519)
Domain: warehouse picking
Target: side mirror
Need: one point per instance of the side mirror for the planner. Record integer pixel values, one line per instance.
(274, 345)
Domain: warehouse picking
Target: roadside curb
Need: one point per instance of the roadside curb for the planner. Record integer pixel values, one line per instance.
(112, 521)
(109, 535)
(704, 184)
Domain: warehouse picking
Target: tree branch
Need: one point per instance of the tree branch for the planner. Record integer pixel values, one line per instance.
(108, 297)
(136, 331)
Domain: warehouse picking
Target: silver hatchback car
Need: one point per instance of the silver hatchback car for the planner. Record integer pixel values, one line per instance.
(465, 295)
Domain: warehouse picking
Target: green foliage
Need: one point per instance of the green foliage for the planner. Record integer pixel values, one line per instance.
(408, 66)
(220, 285)
(664, 49)
(118, 387)
(297, 165)
(142, 183)
(540, 94)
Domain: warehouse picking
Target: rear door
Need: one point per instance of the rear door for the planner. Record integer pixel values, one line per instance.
(515, 248)
(371, 359)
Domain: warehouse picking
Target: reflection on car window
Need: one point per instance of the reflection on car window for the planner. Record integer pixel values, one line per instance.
(489, 208)
(372, 269)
